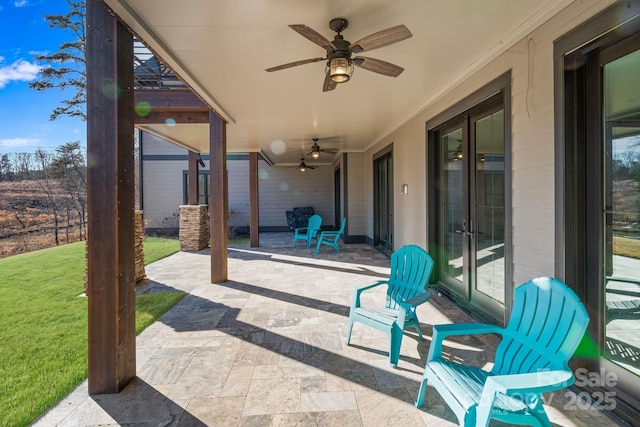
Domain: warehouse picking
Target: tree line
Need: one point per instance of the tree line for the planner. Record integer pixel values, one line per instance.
(61, 175)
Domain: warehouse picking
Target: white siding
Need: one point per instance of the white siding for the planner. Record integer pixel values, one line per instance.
(162, 193)
(238, 185)
(152, 145)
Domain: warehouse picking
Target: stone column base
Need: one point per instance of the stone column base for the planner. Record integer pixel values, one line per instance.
(140, 274)
(194, 228)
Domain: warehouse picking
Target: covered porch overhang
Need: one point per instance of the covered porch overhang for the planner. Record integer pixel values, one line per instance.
(220, 49)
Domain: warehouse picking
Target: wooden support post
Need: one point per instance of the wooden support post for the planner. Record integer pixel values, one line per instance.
(194, 187)
(218, 201)
(254, 201)
(110, 196)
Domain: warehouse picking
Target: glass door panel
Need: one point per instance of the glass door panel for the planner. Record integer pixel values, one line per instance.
(621, 224)
(488, 165)
(452, 209)
(383, 194)
(621, 211)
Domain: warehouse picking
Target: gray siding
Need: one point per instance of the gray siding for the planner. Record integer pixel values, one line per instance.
(283, 188)
(280, 188)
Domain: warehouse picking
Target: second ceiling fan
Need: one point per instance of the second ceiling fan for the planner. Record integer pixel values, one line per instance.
(316, 150)
(339, 52)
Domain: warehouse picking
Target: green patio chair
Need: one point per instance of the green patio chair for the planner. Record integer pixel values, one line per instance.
(331, 237)
(547, 323)
(411, 267)
(309, 232)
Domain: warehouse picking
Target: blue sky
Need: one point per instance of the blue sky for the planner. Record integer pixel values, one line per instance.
(24, 112)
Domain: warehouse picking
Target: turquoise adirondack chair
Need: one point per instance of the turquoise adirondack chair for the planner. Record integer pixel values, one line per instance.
(309, 232)
(546, 325)
(331, 237)
(411, 267)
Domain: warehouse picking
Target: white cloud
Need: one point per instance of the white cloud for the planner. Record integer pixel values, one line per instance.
(20, 3)
(20, 70)
(18, 142)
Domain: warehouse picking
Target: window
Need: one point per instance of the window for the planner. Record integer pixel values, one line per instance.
(203, 187)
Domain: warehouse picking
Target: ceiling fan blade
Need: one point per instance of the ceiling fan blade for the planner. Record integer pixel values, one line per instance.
(329, 150)
(294, 64)
(378, 66)
(312, 35)
(328, 84)
(381, 38)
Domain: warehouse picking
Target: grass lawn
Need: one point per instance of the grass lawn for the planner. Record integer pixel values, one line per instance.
(43, 325)
(626, 247)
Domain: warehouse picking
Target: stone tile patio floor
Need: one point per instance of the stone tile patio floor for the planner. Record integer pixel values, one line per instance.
(267, 348)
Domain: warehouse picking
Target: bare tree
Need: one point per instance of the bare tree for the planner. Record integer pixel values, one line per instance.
(68, 167)
(49, 185)
(23, 165)
(5, 168)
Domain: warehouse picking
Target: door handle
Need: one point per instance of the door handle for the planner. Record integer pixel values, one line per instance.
(471, 233)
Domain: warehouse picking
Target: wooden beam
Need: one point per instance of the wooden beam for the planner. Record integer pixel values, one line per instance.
(168, 100)
(176, 117)
(254, 201)
(110, 195)
(193, 190)
(218, 200)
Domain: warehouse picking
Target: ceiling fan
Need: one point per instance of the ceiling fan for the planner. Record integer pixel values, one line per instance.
(316, 150)
(302, 167)
(339, 51)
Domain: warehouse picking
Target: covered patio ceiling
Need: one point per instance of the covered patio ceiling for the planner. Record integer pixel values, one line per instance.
(221, 49)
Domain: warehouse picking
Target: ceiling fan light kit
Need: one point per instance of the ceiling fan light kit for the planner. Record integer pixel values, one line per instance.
(339, 51)
(302, 167)
(316, 150)
(340, 70)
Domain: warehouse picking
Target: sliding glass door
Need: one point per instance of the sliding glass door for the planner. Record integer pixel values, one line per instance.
(383, 201)
(471, 200)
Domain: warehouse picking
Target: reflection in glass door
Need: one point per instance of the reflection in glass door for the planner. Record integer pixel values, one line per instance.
(452, 208)
(471, 198)
(621, 213)
(488, 177)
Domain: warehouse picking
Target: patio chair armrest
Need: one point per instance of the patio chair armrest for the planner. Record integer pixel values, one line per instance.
(534, 382)
(355, 300)
(301, 229)
(328, 233)
(440, 332)
(416, 300)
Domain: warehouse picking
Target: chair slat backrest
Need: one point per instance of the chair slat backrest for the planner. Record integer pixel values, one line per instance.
(546, 325)
(315, 221)
(411, 268)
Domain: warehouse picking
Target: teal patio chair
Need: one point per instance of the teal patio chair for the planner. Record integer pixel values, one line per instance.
(411, 267)
(331, 237)
(546, 325)
(309, 232)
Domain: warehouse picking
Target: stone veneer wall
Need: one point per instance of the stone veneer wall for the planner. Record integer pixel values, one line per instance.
(140, 274)
(194, 230)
